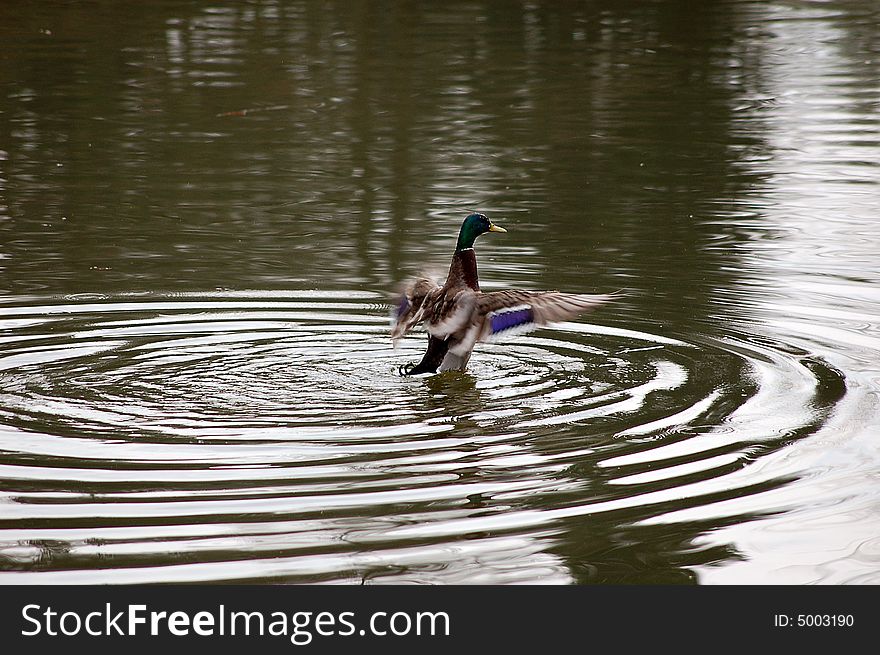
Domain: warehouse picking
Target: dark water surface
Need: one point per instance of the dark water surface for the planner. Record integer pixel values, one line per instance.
(204, 207)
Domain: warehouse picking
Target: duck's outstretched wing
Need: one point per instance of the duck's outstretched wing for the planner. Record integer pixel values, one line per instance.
(502, 313)
(409, 310)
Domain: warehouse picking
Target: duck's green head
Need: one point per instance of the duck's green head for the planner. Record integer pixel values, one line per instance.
(473, 226)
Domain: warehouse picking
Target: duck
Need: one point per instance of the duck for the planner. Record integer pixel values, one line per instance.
(457, 314)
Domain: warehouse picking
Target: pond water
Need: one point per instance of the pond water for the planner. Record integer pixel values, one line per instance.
(205, 209)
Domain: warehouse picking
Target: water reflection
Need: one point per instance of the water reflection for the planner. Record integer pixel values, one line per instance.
(814, 240)
(378, 130)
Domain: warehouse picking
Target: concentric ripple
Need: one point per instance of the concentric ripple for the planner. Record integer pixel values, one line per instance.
(259, 436)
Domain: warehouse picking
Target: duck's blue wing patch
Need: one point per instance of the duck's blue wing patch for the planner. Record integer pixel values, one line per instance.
(403, 306)
(510, 318)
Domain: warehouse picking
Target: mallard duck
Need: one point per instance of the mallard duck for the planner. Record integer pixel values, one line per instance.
(457, 314)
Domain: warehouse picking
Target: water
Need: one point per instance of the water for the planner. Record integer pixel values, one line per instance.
(204, 209)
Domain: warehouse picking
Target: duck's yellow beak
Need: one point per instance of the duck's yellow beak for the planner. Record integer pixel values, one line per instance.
(495, 228)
